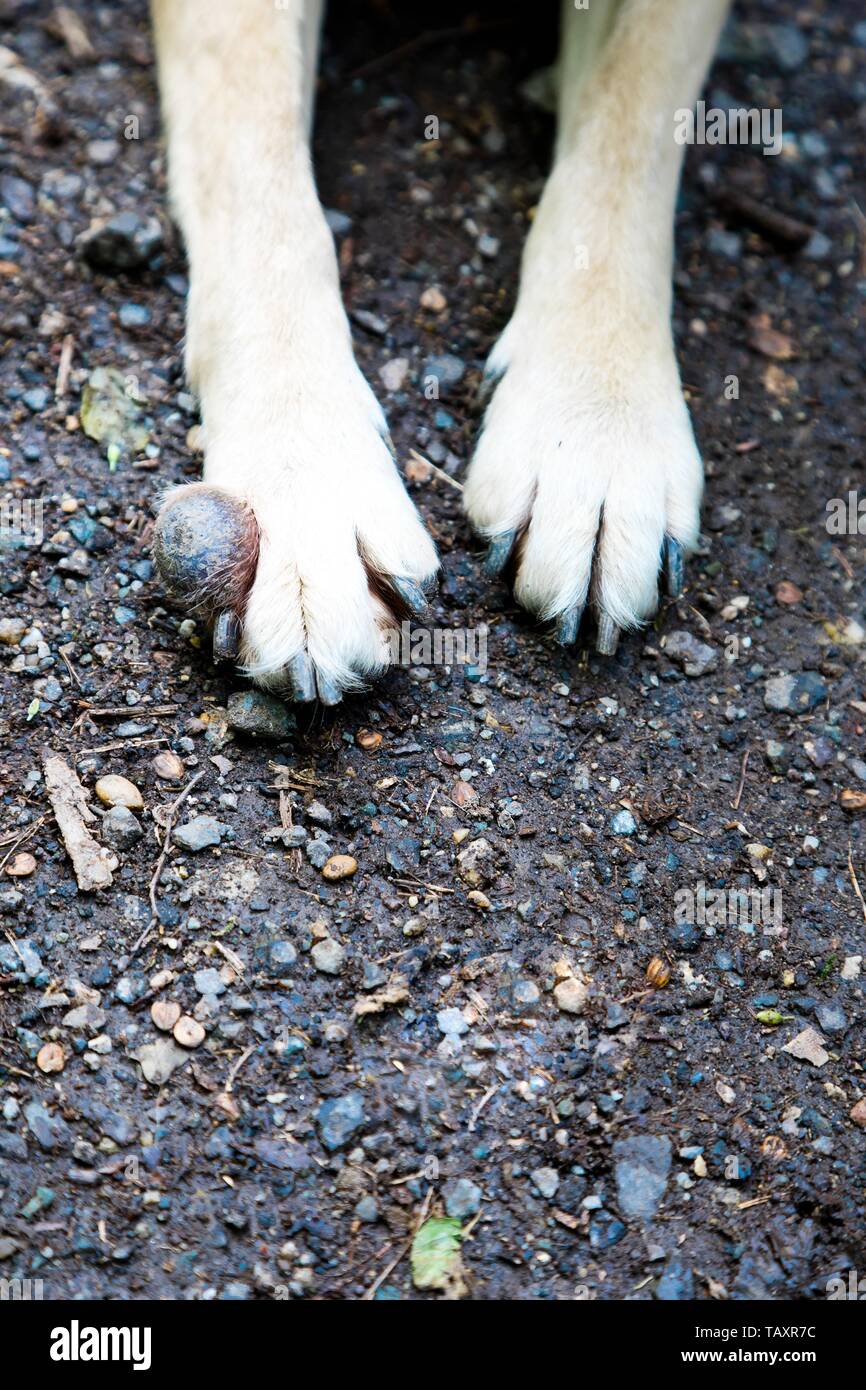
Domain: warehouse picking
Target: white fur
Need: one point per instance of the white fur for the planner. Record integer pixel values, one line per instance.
(587, 441)
(290, 424)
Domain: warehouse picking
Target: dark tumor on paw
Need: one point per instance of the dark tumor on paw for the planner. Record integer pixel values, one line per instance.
(205, 545)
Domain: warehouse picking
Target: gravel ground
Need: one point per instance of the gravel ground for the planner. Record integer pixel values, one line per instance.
(464, 1030)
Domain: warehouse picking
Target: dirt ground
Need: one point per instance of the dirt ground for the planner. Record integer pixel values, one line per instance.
(661, 1141)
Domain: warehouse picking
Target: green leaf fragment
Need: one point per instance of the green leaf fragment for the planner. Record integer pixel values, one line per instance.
(112, 414)
(32, 710)
(436, 1262)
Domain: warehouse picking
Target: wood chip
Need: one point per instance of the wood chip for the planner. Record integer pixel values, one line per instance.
(93, 865)
(395, 992)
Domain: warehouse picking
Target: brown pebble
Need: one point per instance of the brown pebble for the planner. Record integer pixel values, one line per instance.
(434, 299)
(788, 593)
(22, 866)
(119, 791)
(463, 793)
(339, 866)
(165, 1014)
(188, 1031)
(368, 739)
(853, 800)
(168, 766)
(658, 973)
(51, 1057)
(858, 1113)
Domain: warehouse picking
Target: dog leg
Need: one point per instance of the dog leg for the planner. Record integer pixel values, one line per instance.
(587, 471)
(301, 542)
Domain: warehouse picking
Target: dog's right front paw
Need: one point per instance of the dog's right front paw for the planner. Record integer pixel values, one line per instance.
(301, 570)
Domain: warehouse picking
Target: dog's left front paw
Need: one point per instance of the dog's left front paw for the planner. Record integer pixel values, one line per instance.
(586, 480)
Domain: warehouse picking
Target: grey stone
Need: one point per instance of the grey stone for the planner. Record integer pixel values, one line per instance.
(546, 1180)
(120, 829)
(339, 1119)
(831, 1017)
(462, 1198)
(328, 956)
(259, 715)
(200, 832)
(795, 694)
(126, 241)
(448, 370)
(50, 1131)
(623, 823)
(643, 1163)
(209, 981)
(367, 1209)
(281, 957)
(695, 657)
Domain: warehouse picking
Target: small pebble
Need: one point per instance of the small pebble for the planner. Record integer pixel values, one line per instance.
(114, 790)
(339, 866)
(188, 1031)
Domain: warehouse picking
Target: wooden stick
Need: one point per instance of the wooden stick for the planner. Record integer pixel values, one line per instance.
(93, 865)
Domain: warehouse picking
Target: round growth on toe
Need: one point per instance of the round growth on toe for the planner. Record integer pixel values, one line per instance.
(205, 545)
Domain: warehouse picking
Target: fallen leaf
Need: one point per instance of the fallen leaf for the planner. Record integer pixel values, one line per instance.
(435, 1257)
(111, 413)
(808, 1046)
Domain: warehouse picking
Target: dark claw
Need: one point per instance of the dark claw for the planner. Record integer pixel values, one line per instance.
(226, 636)
(497, 555)
(567, 625)
(608, 636)
(412, 595)
(673, 567)
(329, 693)
(302, 678)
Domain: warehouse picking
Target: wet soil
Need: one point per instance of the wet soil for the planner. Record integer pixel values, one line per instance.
(662, 1142)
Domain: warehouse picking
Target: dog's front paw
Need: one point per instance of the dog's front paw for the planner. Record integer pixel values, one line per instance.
(586, 480)
(301, 546)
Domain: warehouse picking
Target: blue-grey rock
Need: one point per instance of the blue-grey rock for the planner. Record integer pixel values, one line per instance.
(831, 1017)
(281, 957)
(339, 1119)
(623, 823)
(462, 1198)
(258, 715)
(200, 832)
(120, 829)
(795, 694)
(676, 1283)
(643, 1163)
(51, 1132)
